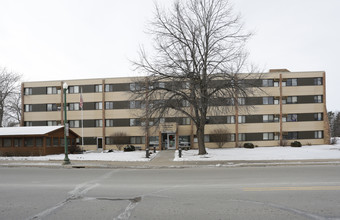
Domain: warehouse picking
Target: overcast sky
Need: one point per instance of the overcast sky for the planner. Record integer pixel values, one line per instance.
(72, 39)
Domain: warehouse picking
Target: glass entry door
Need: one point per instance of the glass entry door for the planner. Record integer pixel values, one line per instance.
(171, 141)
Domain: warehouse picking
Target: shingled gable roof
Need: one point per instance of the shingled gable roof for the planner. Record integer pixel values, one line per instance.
(28, 131)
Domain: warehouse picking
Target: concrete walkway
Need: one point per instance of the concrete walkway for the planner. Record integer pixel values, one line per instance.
(163, 157)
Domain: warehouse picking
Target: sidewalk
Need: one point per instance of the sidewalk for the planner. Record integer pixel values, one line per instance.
(165, 159)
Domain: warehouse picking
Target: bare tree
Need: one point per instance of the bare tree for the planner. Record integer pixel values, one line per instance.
(220, 136)
(12, 114)
(199, 51)
(9, 97)
(119, 139)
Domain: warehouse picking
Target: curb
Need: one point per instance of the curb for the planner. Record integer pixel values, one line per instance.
(169, 165)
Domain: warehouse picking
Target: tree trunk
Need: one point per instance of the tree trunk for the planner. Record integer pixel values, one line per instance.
(200, 138)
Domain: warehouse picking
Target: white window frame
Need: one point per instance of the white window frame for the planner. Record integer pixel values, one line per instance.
(98, 88)
(99, 106)
(242, 137)
(186, 121)
(268, 136)
(108, 105)
(230, 119)
(318, 134)
(28, 91)
(109, 122)
(28, 108)
(99, 123)
(241, 101)
(241, 119)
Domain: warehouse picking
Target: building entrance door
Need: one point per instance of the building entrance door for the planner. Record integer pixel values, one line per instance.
(99, 143)
(171, 138)
(168, 141)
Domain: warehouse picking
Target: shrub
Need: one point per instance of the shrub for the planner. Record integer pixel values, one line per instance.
(248, 145)
(129, 148)
(296, 144)
(74, 149)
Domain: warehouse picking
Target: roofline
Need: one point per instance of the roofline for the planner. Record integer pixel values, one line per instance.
(129, 77)
(40, 135)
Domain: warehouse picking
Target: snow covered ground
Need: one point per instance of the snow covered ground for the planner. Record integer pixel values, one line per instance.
(112, 156)
(231, 154)
(264, 153)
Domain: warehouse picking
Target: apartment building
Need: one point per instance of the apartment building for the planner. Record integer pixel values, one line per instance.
(290, 106)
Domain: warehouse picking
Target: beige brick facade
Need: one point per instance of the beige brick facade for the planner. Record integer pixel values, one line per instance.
(290, 106)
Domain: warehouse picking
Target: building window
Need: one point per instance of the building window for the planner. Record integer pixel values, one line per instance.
(137, 140)
(55, 142)
(28, 142)
(230, 119)
(38, 142)
(318, 116)
(28, 91)
(73, 89)
(318, 81)
(276, 84)
(51, 90)
(292, 135)
(267, 82)
(108, 105)
(268, 100)
(268, 118)
(134, 87)
(268, 136)
(232, 137)
(28, 123)
(185, 121)
(291, 82)
(291, 100)
(318, 99)
(51, 123)
(108, 88)
(206, 138)
(241, 119)
(99, 105)
(134, 122)
(73, 106)
(185, 103)
(241, 101)
(98, 88)
(74, 123)
(186, 85)
(48, 142)
(135, 104)
(51, 107)
(7, 142)
(291, 117)
(108, 140)
(154, 140)
(242, 137)
(109, 122)
(17, 142)
(318, 134)
(276, 101)
(99, 123)
(28, 108)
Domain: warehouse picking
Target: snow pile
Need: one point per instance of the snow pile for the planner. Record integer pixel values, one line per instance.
(264, 153)
(111, 156)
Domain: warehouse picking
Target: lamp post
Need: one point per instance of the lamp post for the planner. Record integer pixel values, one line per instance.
(66, 160)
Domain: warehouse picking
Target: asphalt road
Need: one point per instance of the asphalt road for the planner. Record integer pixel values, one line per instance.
(301, 192)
